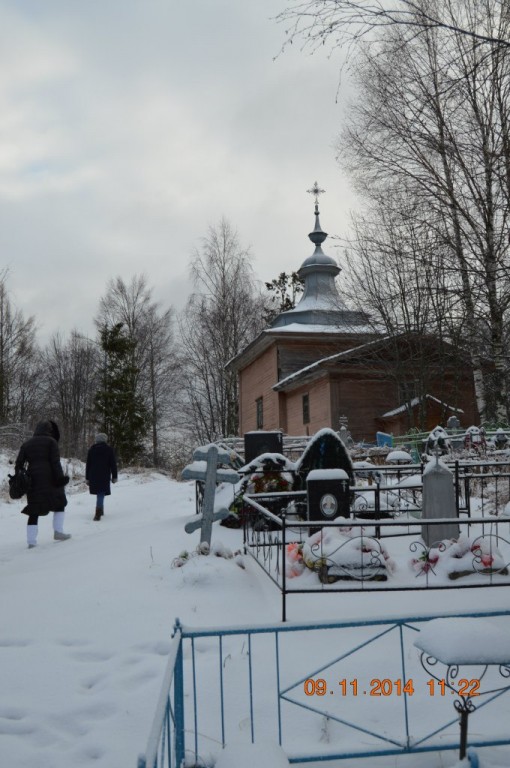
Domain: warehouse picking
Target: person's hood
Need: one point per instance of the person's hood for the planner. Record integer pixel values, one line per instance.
(48, 429)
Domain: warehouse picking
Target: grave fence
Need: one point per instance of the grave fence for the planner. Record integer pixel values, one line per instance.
(361, 561)
(360, 692)
(480, 488)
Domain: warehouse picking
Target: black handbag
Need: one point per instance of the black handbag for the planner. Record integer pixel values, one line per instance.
(19, 483)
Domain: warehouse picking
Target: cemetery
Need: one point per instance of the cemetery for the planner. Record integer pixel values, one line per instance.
(326, 521)
(357, 525)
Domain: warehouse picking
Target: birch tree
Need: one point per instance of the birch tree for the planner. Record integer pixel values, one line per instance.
(346, 23)
(430, 120)
(221, 317)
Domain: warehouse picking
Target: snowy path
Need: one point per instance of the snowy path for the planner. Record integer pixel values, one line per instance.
(85, 624)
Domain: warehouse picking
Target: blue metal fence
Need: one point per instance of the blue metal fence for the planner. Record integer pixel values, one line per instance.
(165, 745)
(316, 690)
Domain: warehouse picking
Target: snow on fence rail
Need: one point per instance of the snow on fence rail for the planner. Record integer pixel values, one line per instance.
(322, 691)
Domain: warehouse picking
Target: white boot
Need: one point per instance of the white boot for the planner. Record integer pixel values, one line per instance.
(58, 527)
(32, 536)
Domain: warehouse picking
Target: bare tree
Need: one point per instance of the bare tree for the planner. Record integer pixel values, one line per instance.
(127, 303)
(18, 361)
(163, 377)
(155, 361)
(72, 368)
(431, 121)
(221, 317)
(396, 273)
(347, 22)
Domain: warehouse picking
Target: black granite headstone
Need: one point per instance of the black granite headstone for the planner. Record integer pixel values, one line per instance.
(324, 451)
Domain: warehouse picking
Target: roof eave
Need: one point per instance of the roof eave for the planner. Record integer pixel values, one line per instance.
(289, 386)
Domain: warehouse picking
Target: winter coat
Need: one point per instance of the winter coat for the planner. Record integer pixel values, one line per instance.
(42, 455)
(101, 467)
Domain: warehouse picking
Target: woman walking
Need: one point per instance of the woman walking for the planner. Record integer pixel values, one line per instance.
(46, 492)
(100, 469)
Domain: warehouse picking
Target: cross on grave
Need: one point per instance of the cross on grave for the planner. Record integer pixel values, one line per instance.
(205, 468)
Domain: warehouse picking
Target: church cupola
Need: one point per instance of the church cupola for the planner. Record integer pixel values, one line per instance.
(320, 303)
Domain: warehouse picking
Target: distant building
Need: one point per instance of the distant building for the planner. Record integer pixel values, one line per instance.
(322, 361)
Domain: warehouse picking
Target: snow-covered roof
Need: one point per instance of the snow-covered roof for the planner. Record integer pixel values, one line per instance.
(319, 363)
(315, 330)
(340, 327)
(416, 401)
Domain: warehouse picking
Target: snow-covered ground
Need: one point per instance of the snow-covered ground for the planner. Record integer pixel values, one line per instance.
(86, 624)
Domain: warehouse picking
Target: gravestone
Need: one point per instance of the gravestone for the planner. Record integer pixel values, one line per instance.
(324, 451)
(438, 440)
(328, 495)
(260, 441)
(438, 501)
(453, 423)
(500, 439)
(345, 436)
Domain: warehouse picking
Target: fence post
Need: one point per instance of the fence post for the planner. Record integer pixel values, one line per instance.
(457, 489)
(467, 490)
(377, 505)
(179, 705)
(284, 575)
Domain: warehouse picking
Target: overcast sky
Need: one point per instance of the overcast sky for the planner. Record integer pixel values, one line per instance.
(127, 128)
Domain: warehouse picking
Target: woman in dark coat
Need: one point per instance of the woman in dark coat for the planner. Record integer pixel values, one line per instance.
(46, 493)
(100, 469)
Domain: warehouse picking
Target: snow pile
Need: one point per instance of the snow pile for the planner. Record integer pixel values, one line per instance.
(260, 754)
(454, 558)
(464, 641)
(347, 549)
(399, 457)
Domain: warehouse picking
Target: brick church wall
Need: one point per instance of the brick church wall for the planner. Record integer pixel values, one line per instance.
(257, 380)
(319, 408)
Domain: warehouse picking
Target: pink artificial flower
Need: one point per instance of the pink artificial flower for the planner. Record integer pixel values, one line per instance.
(294, 552)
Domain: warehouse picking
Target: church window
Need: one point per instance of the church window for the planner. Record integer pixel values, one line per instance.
(260, 412)
(306, 409)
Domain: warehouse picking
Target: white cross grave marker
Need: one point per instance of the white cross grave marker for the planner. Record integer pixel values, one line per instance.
(205, 468)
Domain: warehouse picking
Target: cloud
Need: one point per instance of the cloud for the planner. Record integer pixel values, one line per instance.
(128, 128)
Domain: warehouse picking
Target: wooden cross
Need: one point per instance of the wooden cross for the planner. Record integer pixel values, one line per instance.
(205, 468)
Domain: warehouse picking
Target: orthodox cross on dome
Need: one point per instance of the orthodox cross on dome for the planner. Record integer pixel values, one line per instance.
(316, 191)
(317, 236)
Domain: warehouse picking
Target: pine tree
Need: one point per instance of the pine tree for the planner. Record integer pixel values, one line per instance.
(284, 291)
(123, 416)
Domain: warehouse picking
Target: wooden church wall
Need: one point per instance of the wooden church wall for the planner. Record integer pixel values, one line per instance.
(361, 398)
(295, 355)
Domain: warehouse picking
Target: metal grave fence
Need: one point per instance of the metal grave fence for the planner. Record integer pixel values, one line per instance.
(379, 554)
(323, 691)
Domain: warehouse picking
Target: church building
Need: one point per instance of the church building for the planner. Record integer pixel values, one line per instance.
(321, 362)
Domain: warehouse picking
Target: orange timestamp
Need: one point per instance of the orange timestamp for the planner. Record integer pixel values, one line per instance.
(387, 687)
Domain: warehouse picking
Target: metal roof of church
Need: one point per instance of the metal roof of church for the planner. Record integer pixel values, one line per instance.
(321, 304)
